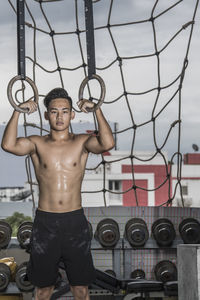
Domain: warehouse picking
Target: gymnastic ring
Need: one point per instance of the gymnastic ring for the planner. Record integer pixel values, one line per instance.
(10, 97)
(103, 91)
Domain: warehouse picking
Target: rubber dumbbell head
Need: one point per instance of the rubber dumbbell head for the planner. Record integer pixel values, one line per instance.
(24, 234)
(138, 274)
(5, 234)
(5, 275)
(163, 232)
(165, 271)
(136, 232)
(189, 230)
(21, 279)
(107, 233)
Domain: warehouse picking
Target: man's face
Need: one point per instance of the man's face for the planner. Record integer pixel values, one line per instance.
(59, 114)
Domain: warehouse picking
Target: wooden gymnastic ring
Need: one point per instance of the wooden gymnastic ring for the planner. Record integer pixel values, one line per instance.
(10, 97)
(103, 91)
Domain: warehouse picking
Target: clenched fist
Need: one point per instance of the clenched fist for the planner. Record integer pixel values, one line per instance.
(30, 105)
(85, 105)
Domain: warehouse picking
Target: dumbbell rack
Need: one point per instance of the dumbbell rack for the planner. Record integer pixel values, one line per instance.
(150, 245)
(20, 255)
(124, 254)
(123, 247)
(123, 257)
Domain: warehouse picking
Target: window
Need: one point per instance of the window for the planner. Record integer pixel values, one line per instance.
(184, 189)
(115, 186)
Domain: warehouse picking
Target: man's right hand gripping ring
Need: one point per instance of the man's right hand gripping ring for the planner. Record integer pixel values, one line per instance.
(103, 90)
(10, 96)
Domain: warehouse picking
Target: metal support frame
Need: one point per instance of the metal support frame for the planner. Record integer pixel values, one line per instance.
(21, 39)
(90, 38)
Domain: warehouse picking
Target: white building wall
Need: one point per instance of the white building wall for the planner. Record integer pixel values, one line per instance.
(144, 156)
(190, 178)
(94, 182)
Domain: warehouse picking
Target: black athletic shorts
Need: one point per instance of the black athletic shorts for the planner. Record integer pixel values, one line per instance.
(60, 237)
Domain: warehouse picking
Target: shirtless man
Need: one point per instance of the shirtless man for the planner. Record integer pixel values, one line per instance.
(60, 230)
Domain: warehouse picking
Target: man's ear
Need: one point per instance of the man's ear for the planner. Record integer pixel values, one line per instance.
(46, 115)
(72, 115)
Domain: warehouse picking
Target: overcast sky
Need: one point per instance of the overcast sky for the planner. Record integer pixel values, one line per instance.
(140, 74)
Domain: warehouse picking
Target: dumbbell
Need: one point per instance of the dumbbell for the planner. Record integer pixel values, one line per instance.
(190, 231)
(21, 279)
(165, 271)
(137, 274)
(111, 272)
(163, 232)
(24, 234)
(107, 233)
(5, 275)
(136, 232)
(5, 234)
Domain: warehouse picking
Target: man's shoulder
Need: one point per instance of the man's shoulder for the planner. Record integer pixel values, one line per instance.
(81, 136)
(37, 138)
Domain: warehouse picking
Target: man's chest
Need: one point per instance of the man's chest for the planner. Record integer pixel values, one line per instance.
(60, 156)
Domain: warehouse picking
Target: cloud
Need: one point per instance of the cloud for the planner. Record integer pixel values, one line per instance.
(130, 40)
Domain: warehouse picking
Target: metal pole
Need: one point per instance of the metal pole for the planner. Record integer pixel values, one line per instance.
(90, 38)
(21, 39)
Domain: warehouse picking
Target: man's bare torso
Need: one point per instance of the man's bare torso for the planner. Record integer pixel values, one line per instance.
(59, 168)
(59, 158)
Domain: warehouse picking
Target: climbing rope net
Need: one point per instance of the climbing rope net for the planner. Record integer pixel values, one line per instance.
(135, 55)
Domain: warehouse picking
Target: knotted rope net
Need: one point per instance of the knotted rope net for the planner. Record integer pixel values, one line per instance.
(132, 45)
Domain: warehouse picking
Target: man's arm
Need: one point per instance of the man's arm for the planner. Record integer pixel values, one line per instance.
(10, 142)
(104, 141)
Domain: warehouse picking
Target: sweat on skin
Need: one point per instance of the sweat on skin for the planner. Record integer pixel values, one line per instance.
(59, 161)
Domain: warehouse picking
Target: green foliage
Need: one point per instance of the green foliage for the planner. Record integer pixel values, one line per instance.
(15, 220)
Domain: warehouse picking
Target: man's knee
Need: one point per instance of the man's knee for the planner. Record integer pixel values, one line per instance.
(80, 292)
(44, 293)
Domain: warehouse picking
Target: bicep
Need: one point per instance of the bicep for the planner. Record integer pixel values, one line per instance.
(24, 146)
(93, 145)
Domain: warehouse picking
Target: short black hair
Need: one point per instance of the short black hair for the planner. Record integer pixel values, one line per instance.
(57, 93)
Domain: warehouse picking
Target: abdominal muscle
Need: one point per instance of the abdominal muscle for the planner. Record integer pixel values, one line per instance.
(60, 192)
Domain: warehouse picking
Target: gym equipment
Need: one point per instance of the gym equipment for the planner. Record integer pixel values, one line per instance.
(111, 272)
(163, 232)
(189, 230)
(21, 279)
(103, 91)
(24, 234)
(5, 234)
(21, 60)
(107, 233)
(138, 274)
(11, 263)
(107, 281)
(171, 288)
(165, 271)
(5, 275)
(143, 286)
(136, 232)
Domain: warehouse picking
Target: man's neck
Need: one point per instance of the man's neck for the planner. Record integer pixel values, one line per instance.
(59, 136)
